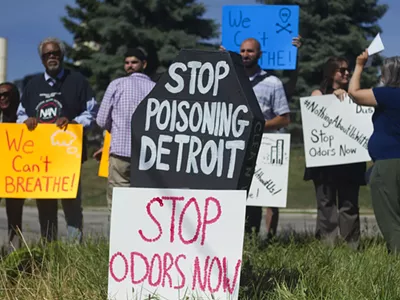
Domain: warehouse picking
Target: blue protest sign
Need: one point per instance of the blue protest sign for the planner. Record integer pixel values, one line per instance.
(274, 26)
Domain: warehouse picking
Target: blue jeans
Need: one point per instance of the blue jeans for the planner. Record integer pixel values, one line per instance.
(48, 219)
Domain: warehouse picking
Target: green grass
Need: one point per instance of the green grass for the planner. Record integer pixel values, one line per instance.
(300, 193)
(296, 267)
(93, 187)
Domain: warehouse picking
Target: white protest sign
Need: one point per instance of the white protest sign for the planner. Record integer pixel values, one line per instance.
(270, 180)
(375, 47)
(176, 243)
(335, 132)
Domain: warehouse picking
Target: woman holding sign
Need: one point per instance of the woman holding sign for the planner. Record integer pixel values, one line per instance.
(341, 181)
(9, 101)
(384, 144)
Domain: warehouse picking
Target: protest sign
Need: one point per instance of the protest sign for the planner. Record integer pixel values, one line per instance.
(270, 181)
(44, 163)
(335, 132)
(199, 127)
(274, 26)
(175, 244)
(105, 155)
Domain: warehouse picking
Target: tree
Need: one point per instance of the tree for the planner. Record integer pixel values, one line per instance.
(84, 36)
(332, 28)
(103, 30)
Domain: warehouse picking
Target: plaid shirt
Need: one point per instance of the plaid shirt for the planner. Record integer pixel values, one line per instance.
(120, 100)
(271, 96)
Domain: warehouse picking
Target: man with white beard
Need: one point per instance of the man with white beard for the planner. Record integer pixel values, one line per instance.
(58, 96)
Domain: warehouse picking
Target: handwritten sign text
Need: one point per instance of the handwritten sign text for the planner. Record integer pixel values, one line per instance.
(43, 163)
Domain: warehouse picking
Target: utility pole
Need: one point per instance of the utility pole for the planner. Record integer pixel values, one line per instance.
(3, 59)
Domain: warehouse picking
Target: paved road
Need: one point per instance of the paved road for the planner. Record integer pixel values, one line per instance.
(96, 223)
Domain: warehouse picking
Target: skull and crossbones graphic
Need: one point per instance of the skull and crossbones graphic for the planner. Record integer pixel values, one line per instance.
(284, 15)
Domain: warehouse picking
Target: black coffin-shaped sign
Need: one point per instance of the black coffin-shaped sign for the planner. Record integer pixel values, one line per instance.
(199, 128)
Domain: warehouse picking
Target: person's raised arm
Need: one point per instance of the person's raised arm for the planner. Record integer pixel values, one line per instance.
(360, 96)
(290, 85)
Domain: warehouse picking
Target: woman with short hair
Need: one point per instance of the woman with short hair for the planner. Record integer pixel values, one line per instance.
(384, 144)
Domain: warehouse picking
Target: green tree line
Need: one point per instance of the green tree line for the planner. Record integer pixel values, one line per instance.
(103, 30)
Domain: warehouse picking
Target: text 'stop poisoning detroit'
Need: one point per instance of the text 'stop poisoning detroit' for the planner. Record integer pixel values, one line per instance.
(200, 127)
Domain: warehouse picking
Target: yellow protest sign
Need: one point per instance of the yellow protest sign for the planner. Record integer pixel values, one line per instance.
(42, 164)
(103, 168)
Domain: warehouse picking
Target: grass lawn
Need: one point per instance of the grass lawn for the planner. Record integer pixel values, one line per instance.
(300, 194)
(289, 268)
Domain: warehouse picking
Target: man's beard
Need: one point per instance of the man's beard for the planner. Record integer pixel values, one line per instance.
(53, 68)
(248, 64)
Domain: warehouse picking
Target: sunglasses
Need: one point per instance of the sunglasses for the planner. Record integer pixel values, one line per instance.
(343, 70)
(5, 94)
(47, 55)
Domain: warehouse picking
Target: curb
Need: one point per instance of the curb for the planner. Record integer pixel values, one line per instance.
(314, 211)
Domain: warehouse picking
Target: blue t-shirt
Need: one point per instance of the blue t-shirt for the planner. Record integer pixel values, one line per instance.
(385, 140)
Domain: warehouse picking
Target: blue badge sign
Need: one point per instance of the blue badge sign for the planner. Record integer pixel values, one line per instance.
(274, 26)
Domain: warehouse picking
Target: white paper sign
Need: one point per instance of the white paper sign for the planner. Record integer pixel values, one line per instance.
(176, 243)
(335, 132)
(270, 180)
(375, 47)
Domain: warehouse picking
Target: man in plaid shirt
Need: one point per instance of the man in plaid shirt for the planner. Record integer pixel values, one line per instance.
(121, 99)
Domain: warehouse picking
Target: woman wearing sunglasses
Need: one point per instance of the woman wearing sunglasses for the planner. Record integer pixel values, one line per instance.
(9, 101)
(337, 187)
(384, 144)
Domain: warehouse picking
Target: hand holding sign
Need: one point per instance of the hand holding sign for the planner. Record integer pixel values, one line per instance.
(341, 94)
(31, 123)
(362, 58)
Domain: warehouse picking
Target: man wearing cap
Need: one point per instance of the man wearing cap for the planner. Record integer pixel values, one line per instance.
(121, 99)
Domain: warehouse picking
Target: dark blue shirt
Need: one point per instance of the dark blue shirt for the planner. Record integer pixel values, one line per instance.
(385, 140)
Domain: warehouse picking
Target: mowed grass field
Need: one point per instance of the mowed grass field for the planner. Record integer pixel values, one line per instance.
(300, 193)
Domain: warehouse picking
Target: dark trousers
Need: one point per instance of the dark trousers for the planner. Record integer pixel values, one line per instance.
(385, 194)
(342, 214)
(254, 216)
(48, 217)
(14, 208)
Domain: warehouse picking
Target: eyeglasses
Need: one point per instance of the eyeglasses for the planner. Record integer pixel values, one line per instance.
(5, 94)
(343, 70)
(47, 55)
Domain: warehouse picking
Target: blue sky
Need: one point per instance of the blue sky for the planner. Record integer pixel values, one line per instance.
(25, 22)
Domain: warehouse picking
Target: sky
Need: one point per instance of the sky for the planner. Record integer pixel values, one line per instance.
(25, 28)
